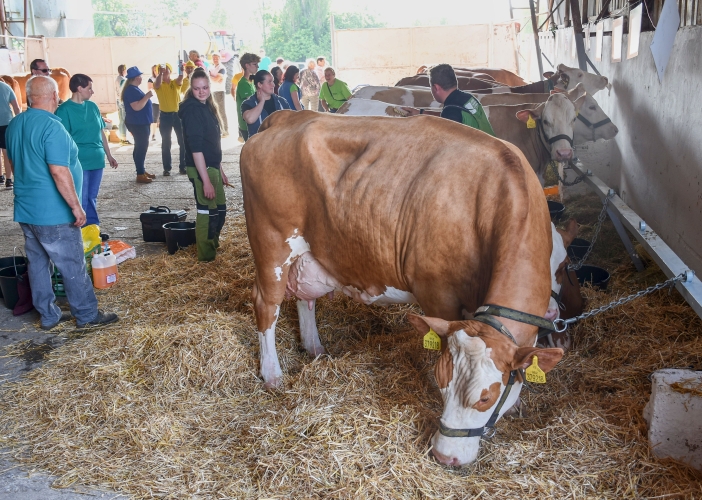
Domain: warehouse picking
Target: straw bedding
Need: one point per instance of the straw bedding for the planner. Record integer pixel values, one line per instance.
(167, 403)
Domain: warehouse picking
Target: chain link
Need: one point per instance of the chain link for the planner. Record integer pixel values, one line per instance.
(598, 226)
(623, 300)
(554, 166)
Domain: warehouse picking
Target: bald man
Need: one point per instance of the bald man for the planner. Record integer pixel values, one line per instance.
(48, 181)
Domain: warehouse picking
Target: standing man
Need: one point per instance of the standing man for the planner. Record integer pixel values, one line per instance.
(218, 74)
(47, 206)
(321, 66)
(310, 87)
(168, 92)
(38, 67)
(245, 88)
(459, 106)
(119, 83)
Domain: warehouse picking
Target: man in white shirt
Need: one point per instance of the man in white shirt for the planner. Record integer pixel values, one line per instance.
(218, 74)
(321, 66)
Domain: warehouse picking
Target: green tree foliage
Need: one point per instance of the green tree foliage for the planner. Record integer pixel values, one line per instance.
(219, 19)
(301, 30)
(111, 24)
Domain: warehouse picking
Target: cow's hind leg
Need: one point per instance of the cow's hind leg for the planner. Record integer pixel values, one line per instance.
(267, 296)
(308, 328)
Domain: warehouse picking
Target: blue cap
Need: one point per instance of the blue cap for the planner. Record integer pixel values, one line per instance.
(133, 72)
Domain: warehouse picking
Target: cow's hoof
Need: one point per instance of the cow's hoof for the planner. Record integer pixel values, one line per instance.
(316, 351)
(273, 384)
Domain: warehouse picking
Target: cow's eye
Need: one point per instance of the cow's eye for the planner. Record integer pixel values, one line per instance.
(546, 122)
(485, 399)
(593, 108)
(580, 75)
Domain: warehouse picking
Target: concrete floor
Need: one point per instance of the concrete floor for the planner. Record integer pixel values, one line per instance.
(120, 203)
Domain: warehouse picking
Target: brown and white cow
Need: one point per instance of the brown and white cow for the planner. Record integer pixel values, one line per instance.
(404, 96)
(592, 123)
(60, 75)
(568, 78)
(463, 83)
(397, 211)
(503, 76)
(367, 107)
(546, 131)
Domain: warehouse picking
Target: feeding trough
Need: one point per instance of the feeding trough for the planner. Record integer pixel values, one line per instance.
(595, 276)
(10, 262)
(8, 284)
(556, 210)
(578, 248)
(179, 235)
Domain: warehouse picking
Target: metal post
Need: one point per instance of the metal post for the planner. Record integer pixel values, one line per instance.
(578, 33)
(26, 2)
(2, 23)
(536, 39)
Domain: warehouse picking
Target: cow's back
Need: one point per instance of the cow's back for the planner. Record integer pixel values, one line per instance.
(385, 202)
(464, 83)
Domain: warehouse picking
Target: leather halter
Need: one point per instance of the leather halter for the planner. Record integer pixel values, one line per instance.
(593, 126)
(487, 314)
(546, 141)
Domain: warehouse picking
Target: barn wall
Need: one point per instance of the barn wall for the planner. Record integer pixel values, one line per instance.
(106, 53)
(385, 55)
(655, 162)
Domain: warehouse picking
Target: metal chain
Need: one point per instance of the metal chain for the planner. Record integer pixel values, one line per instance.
(623, 300)
(554, 166)
(598, 226)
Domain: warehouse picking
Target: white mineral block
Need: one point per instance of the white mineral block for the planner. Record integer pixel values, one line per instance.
(674, 416)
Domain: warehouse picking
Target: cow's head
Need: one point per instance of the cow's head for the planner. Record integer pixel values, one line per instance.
(563, 281)
(472, 374)
(570, 77)
(554, 121)
(593, 123)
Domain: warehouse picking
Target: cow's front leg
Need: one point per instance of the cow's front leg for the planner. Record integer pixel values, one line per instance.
(267, 309)
(308, 328)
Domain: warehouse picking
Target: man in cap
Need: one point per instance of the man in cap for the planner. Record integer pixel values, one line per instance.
(168, 92)
(48, 182)
(188, 69)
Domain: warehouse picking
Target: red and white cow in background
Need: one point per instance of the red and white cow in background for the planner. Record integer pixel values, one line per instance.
(397, 211)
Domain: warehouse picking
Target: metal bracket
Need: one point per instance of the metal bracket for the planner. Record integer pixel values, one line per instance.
(625, 239)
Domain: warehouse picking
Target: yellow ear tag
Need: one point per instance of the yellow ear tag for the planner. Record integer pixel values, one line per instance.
(531, 123)
(432, 341)
(534, 374)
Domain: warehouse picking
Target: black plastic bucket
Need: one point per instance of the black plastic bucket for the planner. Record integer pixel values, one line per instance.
(11, 261)
(596, 276)
(8, 284)
(556, 210)
(578, 248)
(179, 235)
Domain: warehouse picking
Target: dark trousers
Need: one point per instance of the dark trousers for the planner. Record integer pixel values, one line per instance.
(169, 122)
(141, 145)
(219, 101)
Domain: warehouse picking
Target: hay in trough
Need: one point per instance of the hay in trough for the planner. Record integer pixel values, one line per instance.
(168, 403)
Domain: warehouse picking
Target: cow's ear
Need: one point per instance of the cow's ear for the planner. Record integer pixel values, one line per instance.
(548, 358)
(569, 233)
(578, 103)
(526, 114)
(425, 323)
(557, 90)
(576, 92)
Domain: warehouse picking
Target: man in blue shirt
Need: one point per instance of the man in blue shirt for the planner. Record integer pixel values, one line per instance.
(48, 181)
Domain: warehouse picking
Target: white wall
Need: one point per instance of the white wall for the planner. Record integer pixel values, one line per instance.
(655, 162)
(99, 57)
(382, 56)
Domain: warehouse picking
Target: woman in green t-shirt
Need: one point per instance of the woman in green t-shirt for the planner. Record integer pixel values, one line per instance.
(83, 121)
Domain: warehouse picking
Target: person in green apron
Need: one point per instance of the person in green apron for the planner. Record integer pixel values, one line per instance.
(459, 106)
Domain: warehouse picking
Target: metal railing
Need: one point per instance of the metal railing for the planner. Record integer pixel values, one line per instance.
(690, 10)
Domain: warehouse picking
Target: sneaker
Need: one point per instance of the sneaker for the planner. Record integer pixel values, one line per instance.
(8, 183)
(2, 179)
(224, 135)
(182, 171)
(104, 236)
(65, 316)
(150, 176)
(143, 179)
(153, 137)
(102, 318)
(241, 140)
(125, 142)
(166, 173)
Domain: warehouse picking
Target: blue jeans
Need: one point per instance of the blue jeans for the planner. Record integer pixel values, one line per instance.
(122, 125)
(169, 122)
(141, 145)
(63, 245)
(91, 186)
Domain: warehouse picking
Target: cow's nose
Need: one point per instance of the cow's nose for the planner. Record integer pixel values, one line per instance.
(444, 459)
(551, 314)
(564, 154)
